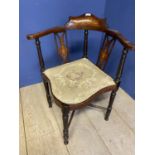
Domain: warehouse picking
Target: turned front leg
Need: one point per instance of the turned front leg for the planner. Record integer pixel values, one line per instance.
(65, 112)
(117, 81)
(48, 90)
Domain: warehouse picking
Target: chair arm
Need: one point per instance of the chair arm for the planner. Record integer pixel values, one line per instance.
(45, 32)
(121, 38)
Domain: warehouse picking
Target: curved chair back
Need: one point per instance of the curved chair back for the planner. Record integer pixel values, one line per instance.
(84, 22)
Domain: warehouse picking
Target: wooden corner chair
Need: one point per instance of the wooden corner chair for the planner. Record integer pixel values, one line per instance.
(75, 84)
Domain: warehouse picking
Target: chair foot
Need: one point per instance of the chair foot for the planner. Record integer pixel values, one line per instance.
(107, 119)
(65, 112)
(107, 114)
(65, 141)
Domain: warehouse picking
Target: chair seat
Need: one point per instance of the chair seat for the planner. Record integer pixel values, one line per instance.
(77, 81)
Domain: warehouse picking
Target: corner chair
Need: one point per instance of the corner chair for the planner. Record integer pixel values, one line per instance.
(73, 85)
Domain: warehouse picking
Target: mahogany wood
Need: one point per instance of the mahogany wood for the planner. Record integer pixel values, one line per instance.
(87, 21)
(105, 51)
(117, 81)
(62, 48)
(46, 32)
(83, 22)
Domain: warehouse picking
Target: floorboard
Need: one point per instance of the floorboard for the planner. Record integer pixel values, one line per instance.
(42, 133)
(84, 139)
(90, 134)
(116, 135)
(22, 140)
(123, 105)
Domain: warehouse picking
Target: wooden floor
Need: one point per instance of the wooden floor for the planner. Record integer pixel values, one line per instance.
(90, 134)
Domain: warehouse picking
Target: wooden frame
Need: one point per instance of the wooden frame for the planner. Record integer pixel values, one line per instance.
(84, 22)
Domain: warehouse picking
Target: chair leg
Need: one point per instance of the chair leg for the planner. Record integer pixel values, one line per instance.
(111, 101)
(65, 113)
(48, 96)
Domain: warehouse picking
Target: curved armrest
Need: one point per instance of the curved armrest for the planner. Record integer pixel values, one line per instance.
(122, 39)
(57, 29)
(45, 32)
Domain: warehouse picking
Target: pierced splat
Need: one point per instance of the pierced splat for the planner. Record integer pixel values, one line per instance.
(105, 51)
(61, 44)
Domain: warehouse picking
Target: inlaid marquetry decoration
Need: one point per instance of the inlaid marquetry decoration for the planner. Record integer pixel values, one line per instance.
(105, 51)
(61, 44)
(76, 84)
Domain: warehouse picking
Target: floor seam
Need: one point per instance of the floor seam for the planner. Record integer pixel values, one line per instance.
(123, 120)
(98, 133)
(23, 123)
(59, 128)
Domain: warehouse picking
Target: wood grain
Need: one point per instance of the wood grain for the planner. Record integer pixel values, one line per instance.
(22, 138)
(86, 21)
(84, 139)
(89, 133)
(116, 135)
(125, 108)
(43, 136)
(123, 105)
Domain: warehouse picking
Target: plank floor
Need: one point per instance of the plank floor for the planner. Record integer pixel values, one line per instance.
(90, 134)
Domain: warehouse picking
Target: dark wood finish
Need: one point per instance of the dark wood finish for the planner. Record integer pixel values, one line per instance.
(85, 47)
(87, 21)
(71, 117)
(97, 106)
(57, 29)
(65, 112)
(127, 44)
(117, 81)
(121, 66)
(41, 61)
(42, 68)
(112, 97)
(48, 90)
(83, 22)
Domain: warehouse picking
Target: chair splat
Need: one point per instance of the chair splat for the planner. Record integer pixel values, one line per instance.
(62, 45)
(105, 51)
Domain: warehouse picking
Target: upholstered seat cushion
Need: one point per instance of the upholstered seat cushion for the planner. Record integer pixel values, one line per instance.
(76, 81)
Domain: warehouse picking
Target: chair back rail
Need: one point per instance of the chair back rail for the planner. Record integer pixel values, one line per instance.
(85, 22)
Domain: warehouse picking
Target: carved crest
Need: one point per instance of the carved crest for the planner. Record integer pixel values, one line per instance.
(87, 21)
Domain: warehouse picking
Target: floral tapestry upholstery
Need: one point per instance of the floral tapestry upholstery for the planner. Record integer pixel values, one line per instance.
(76, 81)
